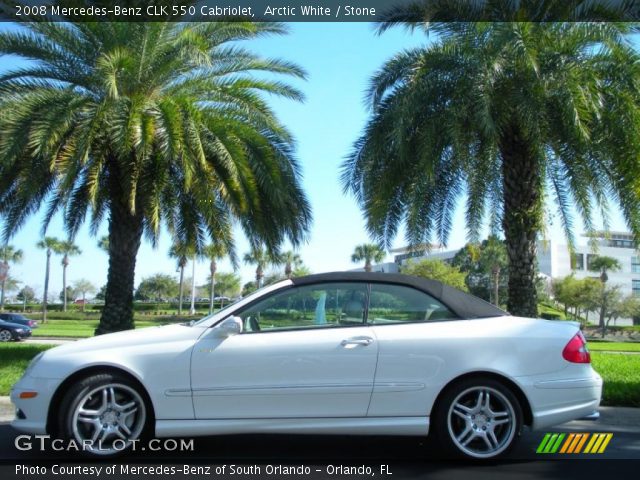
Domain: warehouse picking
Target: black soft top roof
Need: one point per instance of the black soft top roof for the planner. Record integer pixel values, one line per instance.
(462, 304)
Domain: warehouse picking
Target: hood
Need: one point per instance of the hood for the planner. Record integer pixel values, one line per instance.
(128, 338)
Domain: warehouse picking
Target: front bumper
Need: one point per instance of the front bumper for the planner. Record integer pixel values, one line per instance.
(32, 413)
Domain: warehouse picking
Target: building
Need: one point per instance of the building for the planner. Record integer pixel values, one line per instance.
(554, 260)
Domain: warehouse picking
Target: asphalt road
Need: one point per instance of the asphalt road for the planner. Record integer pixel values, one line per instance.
(249, 449)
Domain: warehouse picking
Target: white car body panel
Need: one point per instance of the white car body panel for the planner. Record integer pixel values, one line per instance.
(283, 374)
(307, 381)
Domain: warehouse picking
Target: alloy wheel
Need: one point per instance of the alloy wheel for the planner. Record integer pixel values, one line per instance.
(481, 422)
(109, 417)
(5, 336)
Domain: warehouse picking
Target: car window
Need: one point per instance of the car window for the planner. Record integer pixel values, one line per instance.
(399, 304)
(312, 306)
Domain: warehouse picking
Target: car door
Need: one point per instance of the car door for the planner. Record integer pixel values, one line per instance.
(303, 352)
(413, 332)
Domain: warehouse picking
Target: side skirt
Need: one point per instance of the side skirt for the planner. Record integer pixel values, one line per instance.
(414, 426)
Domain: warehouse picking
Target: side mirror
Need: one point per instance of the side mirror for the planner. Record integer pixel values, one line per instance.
(229, 327)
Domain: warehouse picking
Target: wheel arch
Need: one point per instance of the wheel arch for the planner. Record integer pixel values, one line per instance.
(77, 376)
(527, 413)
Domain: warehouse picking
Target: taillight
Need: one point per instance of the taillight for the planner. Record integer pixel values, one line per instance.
(576, 350)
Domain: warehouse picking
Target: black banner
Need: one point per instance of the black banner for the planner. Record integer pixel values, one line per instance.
(320, 10)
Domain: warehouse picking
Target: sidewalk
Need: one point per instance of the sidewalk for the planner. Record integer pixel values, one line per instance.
(611, 418)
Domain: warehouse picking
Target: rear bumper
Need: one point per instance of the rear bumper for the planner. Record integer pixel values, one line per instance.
(561, 400)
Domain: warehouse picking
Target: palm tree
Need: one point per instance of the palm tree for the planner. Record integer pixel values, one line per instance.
(291, 261)
(8, 254)
(214, 252)
(504, 112)
(146, 124)
(181, 252)
(604, 264)
(261, 258)
(493, 258)
(67, 249)
(49, 245)
(369, 252)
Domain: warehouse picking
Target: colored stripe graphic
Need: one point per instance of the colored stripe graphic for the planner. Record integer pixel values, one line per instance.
(574, 442)
(550, 443)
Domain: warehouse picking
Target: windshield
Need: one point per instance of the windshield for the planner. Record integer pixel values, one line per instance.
(248, 299)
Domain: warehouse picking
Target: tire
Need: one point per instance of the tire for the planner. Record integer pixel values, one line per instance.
(5, 335)
(107, 411)
(477, 418)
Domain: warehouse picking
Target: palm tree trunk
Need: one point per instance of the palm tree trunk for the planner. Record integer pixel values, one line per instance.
(212, 271)
(181, 296)
(125, 235)
(192, 310)
(522, 186)
(84, 301)
(367, 266)
(64, 285)
(259, 275)
(496, 287)
(4, 282)
(46, 287)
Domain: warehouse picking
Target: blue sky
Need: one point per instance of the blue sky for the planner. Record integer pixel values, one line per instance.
(339, 59)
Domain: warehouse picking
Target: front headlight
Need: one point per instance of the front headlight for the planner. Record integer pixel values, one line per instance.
(32, 363)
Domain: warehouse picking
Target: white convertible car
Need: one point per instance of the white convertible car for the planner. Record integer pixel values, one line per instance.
(335, 353)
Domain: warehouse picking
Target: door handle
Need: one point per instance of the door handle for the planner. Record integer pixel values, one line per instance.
(364, 341)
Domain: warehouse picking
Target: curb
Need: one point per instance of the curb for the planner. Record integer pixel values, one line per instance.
(6, 410)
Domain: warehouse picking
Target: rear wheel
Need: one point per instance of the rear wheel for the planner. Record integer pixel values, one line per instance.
(478, 418)
(105, 413)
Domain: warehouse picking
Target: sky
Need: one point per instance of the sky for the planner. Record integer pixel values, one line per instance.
(339, 58)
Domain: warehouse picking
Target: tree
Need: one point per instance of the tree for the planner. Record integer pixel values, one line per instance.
(181, 253)
(8, 254)
(49, 245)
(486, 268)
(214, 252)
(248, 288)
(369, 252)
(84, 286)
(158, 287)
(437, 270)
(291, 261)
(604, 264)
(147, 124)
(26, 295)
(501, 111)
(493, 259)
(68, 292)
(67, 249)
(101, 293)
(261, 258)
(227, 285)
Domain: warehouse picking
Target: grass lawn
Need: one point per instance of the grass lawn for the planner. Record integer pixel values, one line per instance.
(614, 346)
(621, 374)
(85, 328)
(15, 358)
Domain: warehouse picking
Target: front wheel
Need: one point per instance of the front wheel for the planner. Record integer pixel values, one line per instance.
(478, 419)
(5, 336)
(105, 414)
